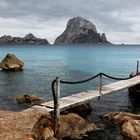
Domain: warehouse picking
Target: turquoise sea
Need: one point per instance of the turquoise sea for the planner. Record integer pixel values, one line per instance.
(44, 63)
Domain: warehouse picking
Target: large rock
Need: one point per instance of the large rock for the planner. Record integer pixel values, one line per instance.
(35, 124)
(25, 125)
(72, 125)
(130, 123)
(29, 39)
(11, 62)
(80, 30)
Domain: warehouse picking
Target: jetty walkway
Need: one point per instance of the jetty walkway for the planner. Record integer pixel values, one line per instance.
(83, 97)
(61, 104)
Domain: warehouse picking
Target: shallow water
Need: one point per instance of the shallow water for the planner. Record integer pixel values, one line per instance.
(44, 63)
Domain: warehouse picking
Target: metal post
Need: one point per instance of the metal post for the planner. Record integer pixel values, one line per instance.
(137, 71)
(57, 109)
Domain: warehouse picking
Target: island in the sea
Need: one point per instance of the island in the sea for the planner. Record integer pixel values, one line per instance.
(29, 39)
(78, 31)
(81, 31)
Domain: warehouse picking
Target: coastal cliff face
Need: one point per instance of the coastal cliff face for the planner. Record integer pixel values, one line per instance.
(29, 39)
(78, 31)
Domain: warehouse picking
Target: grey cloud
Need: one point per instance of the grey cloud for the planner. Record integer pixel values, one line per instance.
(112, 15)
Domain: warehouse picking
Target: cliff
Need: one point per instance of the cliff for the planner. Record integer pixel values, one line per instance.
(29, 39)
(78, 31)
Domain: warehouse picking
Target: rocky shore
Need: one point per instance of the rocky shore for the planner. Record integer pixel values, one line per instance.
(128, 123)
(35, 124)
(32, 124)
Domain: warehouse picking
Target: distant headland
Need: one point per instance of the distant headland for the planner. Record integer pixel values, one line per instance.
(78, 31)
(29, 39)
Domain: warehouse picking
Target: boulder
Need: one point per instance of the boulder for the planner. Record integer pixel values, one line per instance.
(80, 30)
(130, 123)
(29, 99)
(74, 126)
(11, 63)
(35, 124)
(25, 125)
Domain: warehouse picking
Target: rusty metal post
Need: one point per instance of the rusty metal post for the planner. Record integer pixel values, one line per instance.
(57, 109)
(137, 71)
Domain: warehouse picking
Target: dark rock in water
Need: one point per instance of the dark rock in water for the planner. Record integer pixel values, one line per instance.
(29, 99)
(83, 110)
(103, 36)
(130, 123)
(29, 39)
(11, 63)
(134, 93)
(79, 31)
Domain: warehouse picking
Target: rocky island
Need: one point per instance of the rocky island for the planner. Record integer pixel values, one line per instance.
(79, 31)
(29, 39)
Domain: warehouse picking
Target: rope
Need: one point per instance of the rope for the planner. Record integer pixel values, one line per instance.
(93, 77)
(79, 82)
(116, 78)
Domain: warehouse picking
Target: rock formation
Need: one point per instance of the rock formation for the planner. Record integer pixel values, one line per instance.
(29, 99)
(130, 123)
(29, 39)
(11, 63)
(33, 124)
(80, 30)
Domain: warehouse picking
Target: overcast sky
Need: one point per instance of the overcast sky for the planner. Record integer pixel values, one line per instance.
(119, 19)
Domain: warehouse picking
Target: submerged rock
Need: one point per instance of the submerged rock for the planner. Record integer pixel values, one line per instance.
(130, 123)
(11, 63)
(80, 30)
(29, 99)
(35, 124)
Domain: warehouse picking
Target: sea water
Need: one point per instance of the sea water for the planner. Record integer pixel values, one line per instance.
(72, 63)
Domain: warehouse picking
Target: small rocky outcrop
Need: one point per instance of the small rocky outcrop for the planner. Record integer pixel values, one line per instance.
(130, 123)
(33, 124)
(29, 99)
(11, 63)
(29, 39)
(78, 31)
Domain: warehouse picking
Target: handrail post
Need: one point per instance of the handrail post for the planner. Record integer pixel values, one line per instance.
(100, 88)
(137, 71)
(57, 109)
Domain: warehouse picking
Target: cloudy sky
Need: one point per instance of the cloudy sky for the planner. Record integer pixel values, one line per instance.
(119, 19)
